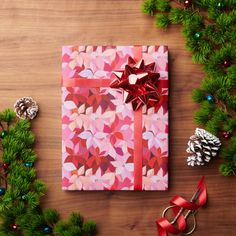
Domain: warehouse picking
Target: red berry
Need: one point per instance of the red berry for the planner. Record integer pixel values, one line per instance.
(226, 134)
(226, 63)
(187, 3)
(5, 166)
(14, 226)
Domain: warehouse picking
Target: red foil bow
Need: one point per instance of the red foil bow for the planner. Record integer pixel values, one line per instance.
(139, 83)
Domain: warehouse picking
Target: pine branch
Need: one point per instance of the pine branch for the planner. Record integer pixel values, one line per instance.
(20, 210)
(210, 33)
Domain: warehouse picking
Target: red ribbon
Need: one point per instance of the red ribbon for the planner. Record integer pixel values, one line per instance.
(164, 226)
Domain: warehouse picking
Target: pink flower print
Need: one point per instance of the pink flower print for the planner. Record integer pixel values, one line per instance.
(155, 140)
(81, 48)
(84, 181)
(122, 108)
(79, 59)
(74, 180)
(87, 73)
(109, 55)
(109, 149)
(79, 118)
(126, 184)
(76, 95)
(98, 181)
(93, 73)
(158, 160)
(160, 56)
(75, 183)
(155, 182)
(65, 144)
(92, 139)
(156, 121)
(66, 50)
(123, 169)
(69, 105)
(76, 119)
(97, 160)
(91, 64)
(68, 166)
(64, 93)
(117, 138)
(128, 133)
(117, 150)
(66, 132)
(75, 154)
(162, 61)
(99, 119)
(123, 51)
(101, 55)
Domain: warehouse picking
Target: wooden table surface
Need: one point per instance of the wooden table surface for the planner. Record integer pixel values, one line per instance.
(31, 35)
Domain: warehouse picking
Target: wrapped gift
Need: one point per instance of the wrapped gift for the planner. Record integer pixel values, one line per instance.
(115, 118)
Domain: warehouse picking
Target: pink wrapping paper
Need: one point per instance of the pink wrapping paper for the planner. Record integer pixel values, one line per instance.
(98, 127)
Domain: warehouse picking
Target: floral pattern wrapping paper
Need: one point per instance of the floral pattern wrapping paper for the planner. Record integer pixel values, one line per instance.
(97, 126)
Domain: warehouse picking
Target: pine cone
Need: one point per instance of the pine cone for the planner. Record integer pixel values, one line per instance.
(202, 146)
(26, 108)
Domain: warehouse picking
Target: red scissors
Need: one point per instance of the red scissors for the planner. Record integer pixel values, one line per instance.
(179, 205)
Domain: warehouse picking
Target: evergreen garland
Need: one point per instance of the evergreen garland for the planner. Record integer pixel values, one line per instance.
(209, 27)
(20, 191)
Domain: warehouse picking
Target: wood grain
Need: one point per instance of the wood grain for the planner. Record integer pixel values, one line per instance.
(31, 36)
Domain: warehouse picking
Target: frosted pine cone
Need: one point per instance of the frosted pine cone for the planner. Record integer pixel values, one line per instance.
(26, 108)
(202, 146)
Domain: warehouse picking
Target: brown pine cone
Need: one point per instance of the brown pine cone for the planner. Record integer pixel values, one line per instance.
(26, 108)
